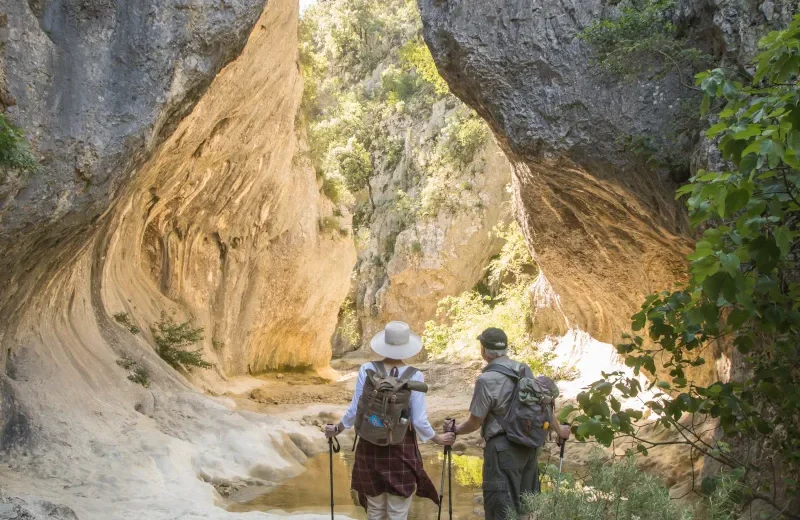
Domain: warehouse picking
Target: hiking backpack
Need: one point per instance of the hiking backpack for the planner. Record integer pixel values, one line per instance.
(528, 416)
(385, 400)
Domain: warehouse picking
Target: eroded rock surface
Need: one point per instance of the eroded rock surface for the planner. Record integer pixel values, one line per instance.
(168, 184)
(603, 226)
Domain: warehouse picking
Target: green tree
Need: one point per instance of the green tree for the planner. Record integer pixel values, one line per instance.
(743, 291)
(172, 340)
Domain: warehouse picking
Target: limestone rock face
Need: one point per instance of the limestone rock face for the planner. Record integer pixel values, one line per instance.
(169, 183)
(436, 257)
(602, 225)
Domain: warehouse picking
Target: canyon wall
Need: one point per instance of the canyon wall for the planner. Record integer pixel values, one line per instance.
(168, 184)
(601, 222)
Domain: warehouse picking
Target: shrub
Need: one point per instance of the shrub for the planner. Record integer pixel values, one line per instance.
(350, 328)
(140, 376)
(612, 491)
(353, 163)
(461, 139)
(15, 152)
(125, 320)
(641, 38)
(415, 55)
(172, 339)
(328, 225)
(514, 257)
(126, 362)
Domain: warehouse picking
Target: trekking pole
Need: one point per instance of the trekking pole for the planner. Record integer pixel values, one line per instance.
(560, 464)
(450, 480)
(333, 447)
(448, 455)
(441, 486)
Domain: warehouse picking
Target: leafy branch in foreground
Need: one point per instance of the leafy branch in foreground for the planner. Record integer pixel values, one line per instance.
(742, 294)
(172, 339)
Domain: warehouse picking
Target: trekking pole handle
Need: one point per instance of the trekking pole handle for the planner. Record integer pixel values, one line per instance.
(449, 425)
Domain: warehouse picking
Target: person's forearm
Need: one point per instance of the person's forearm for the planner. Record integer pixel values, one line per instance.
(469, 426)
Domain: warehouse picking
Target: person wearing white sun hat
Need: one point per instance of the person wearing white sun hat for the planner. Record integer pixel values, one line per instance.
(386, 477)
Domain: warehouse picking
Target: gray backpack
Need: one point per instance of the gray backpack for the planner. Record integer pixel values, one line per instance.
(384, 415)
(527, 419)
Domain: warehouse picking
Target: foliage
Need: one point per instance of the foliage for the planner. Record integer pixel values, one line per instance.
(415, 55)
(370, 83)
(138, 375)
(464, 316)
(642, 38)
(743, 289)
(126, 362)
(125, 320)
(461, 139)
(172, 339)
(611, 491)
(514, 257)
(15, 152)
(349, 327)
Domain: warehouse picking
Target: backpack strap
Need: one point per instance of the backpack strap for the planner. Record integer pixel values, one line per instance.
(380, 368)
(408, 374)
(503, 370)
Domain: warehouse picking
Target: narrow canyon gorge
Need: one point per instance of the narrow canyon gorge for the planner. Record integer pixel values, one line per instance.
(227, 172)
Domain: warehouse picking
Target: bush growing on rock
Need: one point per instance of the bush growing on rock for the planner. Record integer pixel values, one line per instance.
(125, 320)
(15, 152)
(610, 491)
(172, 339)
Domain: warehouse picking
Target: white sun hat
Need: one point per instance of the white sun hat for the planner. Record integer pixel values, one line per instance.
(396, 341)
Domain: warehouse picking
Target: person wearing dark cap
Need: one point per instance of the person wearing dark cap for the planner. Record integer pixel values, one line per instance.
(509, 469)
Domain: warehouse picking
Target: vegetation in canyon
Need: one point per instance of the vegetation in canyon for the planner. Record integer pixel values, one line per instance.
(369, 78)
(620, 490)
(138, 374)
(502, 299)
(124, 319)
(389, 143)
(742, 295)
(15, 152)
(172, 340)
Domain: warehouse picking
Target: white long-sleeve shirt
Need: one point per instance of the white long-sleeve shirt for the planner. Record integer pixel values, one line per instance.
(419, 412)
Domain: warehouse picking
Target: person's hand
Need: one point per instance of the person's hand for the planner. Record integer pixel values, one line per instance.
(449, 425)
(563, 431)
(331, 431)
(444, 439)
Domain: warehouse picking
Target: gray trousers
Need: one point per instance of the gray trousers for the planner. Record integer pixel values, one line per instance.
(509, 471)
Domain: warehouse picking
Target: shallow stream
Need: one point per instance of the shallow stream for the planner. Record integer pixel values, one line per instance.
(309, 492)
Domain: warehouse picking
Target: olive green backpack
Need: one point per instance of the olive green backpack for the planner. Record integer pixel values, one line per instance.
(384, 415)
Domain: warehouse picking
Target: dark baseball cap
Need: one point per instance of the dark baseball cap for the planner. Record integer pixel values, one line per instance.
(493, 339)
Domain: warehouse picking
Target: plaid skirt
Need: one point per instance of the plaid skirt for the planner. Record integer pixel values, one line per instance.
(396, 470)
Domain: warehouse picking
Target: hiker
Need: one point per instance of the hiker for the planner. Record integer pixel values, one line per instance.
(514, 431)
(388, 417)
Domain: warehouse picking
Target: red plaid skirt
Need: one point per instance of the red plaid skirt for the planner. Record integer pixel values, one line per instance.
(396, 470)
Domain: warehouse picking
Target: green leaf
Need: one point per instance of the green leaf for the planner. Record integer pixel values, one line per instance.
(730, 263)
(716, 129)
(765, 253)
(638, 321)
(773, 150)
(750, 131)
(736, 200)
(784, 237)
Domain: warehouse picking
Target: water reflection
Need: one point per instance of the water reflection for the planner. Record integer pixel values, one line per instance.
(309, 492)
